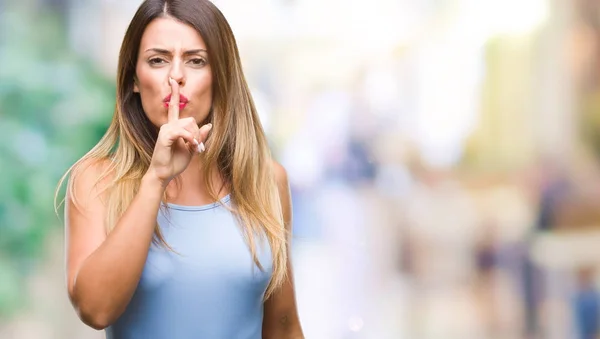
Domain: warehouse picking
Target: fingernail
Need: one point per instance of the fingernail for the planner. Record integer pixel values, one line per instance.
(201, 147)
(209, 125)
(195, 142)
(171, 79)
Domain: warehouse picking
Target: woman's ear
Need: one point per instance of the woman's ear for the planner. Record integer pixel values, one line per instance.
(136, 89)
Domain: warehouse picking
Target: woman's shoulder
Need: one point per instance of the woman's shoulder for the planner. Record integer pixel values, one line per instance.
(90, 166)
(91, 173)
(279, 173)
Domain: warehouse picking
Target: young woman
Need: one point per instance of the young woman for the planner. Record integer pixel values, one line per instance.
(178, 220)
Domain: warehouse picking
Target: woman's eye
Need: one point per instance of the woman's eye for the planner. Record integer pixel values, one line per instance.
(198, 62)
(156, 61)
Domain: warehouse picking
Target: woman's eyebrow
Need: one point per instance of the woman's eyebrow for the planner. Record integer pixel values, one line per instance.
(164, 51)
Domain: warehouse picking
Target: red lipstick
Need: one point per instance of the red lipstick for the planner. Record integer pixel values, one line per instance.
(182, 101)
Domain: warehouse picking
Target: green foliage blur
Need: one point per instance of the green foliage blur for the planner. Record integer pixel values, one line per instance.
(54, 106)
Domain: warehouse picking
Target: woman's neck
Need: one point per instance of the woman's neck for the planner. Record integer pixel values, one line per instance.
(190, 187)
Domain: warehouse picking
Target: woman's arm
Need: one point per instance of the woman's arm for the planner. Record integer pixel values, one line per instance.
(103, 271)
(281, 315)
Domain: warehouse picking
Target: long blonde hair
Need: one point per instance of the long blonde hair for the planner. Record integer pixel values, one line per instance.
(237, 145)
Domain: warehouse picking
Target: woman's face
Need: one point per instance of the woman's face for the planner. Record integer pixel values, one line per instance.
(170, 48)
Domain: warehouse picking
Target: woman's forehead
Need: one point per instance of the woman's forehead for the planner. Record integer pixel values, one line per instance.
(170, 34)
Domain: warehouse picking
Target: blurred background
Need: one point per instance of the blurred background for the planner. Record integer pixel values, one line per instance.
(443, 157)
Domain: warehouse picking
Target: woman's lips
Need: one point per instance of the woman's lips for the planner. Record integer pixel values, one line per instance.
(182, 101)
(181, 105)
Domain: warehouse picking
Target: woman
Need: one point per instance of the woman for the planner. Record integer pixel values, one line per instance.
(178, 221)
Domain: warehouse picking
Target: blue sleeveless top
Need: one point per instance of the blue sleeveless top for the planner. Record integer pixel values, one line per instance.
(209, 289)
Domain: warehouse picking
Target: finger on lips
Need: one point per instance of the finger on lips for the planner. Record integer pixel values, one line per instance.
(173, 114)
(174, 102)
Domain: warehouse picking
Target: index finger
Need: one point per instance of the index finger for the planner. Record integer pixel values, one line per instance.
(173, 113)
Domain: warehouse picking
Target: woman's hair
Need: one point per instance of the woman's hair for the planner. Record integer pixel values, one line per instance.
(237, 145)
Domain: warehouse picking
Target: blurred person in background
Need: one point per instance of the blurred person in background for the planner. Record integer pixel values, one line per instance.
(178, 220)
(553, 190)
(586, 305)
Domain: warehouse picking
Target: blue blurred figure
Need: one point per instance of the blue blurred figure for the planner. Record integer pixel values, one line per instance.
(586, 305)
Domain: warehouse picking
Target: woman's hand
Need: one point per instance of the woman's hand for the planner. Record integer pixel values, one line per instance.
(178, 140)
